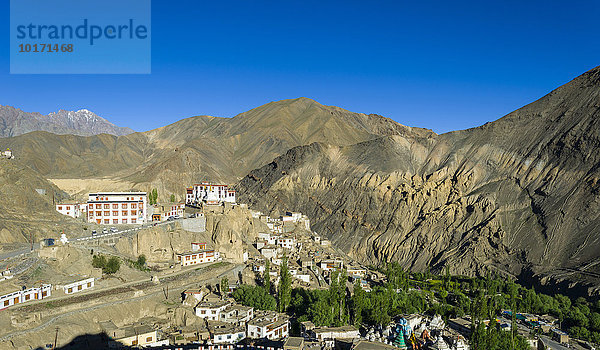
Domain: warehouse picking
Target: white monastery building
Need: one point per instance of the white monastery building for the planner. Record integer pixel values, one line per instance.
(112, 208)
(209, 193)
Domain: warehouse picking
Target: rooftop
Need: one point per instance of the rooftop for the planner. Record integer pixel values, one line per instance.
(212, 304)
(335, 329)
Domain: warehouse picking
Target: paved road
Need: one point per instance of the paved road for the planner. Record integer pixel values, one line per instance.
(18, 252)
(122, 232)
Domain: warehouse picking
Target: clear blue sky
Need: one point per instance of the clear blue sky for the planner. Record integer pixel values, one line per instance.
(442, 65)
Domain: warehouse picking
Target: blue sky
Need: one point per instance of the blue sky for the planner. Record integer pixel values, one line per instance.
(439, 64)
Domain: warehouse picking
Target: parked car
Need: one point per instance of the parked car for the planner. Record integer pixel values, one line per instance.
(113, 229)
(176, 217)
(104, 230)
(94, 232)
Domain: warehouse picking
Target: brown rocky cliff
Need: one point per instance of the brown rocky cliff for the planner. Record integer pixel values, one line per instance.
(516, 196)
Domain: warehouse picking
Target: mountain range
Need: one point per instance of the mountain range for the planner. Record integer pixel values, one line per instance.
(14, 122)
(519, 196)
(199, 148)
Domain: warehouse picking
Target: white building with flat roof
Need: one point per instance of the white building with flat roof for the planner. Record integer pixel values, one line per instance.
(211, 310)
(268, 324)
(116, 208)
(23, 296)
(73, 210)
(209, 193)
(78, 286)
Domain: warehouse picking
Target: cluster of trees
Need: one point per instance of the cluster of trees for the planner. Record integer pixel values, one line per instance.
(261, 297)
(482, 298)
(139, 263)
(108, 266)
(153, 197)
(255, 296)
(323, 307)
(488, 296)
(494, 338)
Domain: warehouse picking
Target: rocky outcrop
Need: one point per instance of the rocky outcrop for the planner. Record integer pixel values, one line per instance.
(518, 196)
(228, 232)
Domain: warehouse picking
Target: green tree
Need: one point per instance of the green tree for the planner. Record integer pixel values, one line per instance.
(99, 261)
(267, 277)
(358, 304)
(153, 196)
(112, 265)
(172, 198)
(141, 261)
(284, 290)
(224, 286)
(255, 297)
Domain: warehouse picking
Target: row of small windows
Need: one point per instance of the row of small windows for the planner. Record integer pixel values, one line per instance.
(116, 221)
(115, 206)
(128, 198)
(114, 213)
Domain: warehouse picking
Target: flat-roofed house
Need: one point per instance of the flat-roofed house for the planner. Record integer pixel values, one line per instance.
(343, 332)
(268, 324)
(223, 332)
(129, 336)
(237, 314)
(78, 286)
(198, 255)
(211, 310)
(112, 208)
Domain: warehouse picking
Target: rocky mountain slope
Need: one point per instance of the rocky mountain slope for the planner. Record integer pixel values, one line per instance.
(27, 206)
(14, 122)
(200, 148)
(520, 195)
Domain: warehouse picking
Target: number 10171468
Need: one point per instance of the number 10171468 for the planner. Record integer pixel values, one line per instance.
(45, 48)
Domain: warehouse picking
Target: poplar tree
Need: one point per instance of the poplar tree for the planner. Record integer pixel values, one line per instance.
(284, 290)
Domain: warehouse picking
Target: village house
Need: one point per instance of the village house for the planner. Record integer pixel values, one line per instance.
(261, 243)
(211, 310)
(286, 242)
(133, 336)
(198, 255)
(161, 212)
(560, 336)
(268, 324)
(23, 296)
(356, 271)
(343, 332)
(237, 314)
(78, 286)
(222, 332)
(112, 208)
(306, 263)
(73, 210)
(192, 297)
(331, 264)
(211, 194)
(189, 334)
(269, 251)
